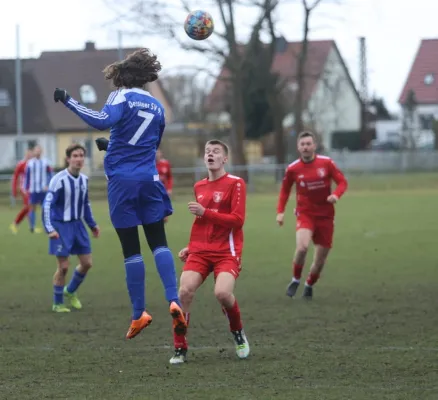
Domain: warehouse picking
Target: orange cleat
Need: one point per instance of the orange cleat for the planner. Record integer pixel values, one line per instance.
(179, 321)
(137, 325)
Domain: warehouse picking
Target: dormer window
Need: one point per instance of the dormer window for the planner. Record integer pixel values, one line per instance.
(88, 94)
(429, 79)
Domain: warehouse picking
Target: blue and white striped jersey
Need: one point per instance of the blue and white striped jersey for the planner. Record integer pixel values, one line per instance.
(38, 175)
(67, 200)
(137, 124)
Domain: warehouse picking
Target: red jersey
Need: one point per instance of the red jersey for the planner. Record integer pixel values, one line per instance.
(18, 177)
(220, 229)
(313, 185)
(165, 171)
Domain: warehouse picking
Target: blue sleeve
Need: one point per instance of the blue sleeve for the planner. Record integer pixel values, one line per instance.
(111, 113)
(162, 127)
(88, 214)
(27, 179)
(49, 173)
(50, 199)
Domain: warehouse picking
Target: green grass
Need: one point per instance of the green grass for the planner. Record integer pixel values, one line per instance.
(370, 332)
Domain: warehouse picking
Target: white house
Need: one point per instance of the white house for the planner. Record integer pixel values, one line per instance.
(331, 99)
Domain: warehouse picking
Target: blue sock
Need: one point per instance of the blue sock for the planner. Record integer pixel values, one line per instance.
(58, 294)
(135, 281)
(75, 282)
(32, 219)
(166, 268)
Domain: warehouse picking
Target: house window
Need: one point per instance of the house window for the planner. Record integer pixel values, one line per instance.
(426, 121)
(429, 79)
(88, 94)
(5, 100)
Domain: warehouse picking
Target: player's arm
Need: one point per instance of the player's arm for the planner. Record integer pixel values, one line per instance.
(101, 120)
(162, 127)
(236, 217)
(286, 187)
(340, 179)
(50, 200)
(88, 213)
(17, 172)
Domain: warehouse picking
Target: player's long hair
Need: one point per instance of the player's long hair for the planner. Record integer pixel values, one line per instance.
(135, 70)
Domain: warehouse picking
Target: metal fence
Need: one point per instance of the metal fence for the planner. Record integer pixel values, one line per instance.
(362, 169)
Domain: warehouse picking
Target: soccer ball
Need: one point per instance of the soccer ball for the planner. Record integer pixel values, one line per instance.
(199, 25)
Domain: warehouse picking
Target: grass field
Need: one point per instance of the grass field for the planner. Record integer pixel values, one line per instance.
(370, 332)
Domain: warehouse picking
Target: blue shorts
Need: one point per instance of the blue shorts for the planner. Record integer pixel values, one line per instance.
(37, 198)
(73, 239)
(133, 203)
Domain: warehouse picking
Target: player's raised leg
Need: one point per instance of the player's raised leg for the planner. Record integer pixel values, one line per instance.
(58, 284)
(156, 206)
(303, 239)
(190, 281)
(135, 279)
(224, 292)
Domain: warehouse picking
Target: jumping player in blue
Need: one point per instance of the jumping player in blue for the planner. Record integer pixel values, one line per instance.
(64, 207)
(136, 195)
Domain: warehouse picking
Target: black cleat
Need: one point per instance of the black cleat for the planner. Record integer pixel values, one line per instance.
(308, 292)
(292, 288)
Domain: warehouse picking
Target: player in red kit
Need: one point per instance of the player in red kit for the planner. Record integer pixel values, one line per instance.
(215, 245)
(164, 171)
(315, 212)
(18, 188)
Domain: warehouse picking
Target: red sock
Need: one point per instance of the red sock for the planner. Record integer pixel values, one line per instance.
(312, 279)
(298, 269)
(21, 215)
(233, 315)
(180, 341)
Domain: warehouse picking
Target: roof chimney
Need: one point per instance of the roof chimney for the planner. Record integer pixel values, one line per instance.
(280, 44)
(89, 46)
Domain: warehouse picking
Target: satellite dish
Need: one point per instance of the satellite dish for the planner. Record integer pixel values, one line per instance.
(88, 94)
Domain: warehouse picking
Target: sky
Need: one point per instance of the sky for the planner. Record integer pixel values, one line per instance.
(393, 30)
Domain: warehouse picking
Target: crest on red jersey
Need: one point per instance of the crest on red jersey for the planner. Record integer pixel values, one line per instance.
(321, 172)
(217, 196)
(164, 170)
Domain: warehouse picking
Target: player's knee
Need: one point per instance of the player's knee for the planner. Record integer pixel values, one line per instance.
(301, 250)
(63, 267)
(186, 294)
(86, 265)
(224, 297)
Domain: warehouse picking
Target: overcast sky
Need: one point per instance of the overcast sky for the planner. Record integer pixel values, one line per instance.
(393, 29)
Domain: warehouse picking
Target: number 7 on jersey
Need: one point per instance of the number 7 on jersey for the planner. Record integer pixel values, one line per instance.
(148, 117)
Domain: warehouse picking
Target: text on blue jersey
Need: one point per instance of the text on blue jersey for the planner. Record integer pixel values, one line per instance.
(137, 122)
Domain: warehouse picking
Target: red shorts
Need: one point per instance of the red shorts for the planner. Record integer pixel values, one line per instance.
(322, 228)
(25, 197)
(205, 264)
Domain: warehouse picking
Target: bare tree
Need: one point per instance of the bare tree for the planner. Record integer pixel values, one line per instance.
(186, 93)
(308, 8)
(160, 17)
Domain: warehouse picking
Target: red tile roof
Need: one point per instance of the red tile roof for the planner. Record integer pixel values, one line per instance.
(425, 65)
(285, 63)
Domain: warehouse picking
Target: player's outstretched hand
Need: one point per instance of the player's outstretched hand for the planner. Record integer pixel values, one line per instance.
(196, 208)
(60, 95)
(183, 254)
(332, 199)
(95, 231)
(102, 143)
(280, 219)
(54, 235)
